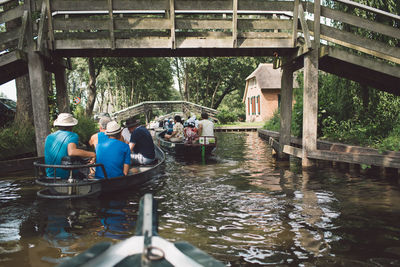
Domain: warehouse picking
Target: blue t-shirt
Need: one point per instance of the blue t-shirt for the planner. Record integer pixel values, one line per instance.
(143, 141)
(113, 154)
(55, 148)
(101, 137)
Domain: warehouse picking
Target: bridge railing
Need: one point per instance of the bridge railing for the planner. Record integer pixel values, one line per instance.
(12, 37)
(361, 28)
(170, 23)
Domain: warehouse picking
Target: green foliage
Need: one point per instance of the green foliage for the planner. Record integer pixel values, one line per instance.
(274, 124)
(86, 126)
(392, 141)
(17, 139)
(353, 114)
(209, 80)
(297, 113)
(226, 116)
(123, 82)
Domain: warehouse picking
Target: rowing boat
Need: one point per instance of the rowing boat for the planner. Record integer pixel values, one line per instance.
(78, 185)
(146, 248)
(205, 147)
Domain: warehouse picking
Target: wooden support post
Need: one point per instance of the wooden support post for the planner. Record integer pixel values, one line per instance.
(317, 23)
(111, 24)
(310, 105)
(50, 26)
(39, 99)
(234, 24)
(295, 22)
(172, 19)
(61, 89)
(40, 105)
(286, 110)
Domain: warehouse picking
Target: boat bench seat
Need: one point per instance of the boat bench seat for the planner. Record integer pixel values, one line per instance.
(152, 164)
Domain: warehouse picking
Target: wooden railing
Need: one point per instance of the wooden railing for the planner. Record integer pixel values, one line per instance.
(12, 39)
(337, 34)
(113, 24)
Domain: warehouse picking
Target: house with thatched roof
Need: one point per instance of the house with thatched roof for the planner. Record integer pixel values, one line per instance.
(262, 93)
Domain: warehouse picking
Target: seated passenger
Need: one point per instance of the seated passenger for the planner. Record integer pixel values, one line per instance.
(191, 135)
(141, 144)
(206, 127)
(177, 134)
(63, 143)
(113, 153)
(100, 136)
(126, 134)
(170, 128)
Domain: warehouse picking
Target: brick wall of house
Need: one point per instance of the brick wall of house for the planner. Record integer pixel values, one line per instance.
(268, 99)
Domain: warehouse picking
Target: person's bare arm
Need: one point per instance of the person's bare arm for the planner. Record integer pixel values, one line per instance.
(126, 169)
(93, 140)
(74, 151)
(131, 146)
(200, 129)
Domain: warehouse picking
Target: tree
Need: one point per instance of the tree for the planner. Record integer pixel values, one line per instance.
(209, 80)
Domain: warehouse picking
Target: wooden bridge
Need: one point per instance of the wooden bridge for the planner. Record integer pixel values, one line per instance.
(165, 106)
(49, 31)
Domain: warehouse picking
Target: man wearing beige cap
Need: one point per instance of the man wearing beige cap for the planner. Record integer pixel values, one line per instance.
(63, 143)
(113, 153)
(100, 136)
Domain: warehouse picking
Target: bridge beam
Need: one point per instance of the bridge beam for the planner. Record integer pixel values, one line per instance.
(286, 110)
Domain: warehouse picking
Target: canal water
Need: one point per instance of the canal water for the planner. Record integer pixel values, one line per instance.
(242, 207)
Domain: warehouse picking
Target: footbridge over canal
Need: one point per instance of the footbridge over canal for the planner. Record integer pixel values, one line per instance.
(41, 34)
(165, 106)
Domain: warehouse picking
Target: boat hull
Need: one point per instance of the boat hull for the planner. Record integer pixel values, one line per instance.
(56, 188)
(186, 150)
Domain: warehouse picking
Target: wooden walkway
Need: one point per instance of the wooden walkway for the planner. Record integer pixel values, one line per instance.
(236, 129)
(336, 152)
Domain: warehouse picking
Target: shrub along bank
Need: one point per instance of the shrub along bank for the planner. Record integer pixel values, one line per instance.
(349, 113)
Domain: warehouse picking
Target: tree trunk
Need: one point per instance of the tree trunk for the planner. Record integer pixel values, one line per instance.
(91, 90)
(179, 78)
(186, 88)
(24, 100)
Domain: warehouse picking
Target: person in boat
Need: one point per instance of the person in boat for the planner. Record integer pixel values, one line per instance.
(63, 143)
(126, 134)
(141, 144)
(113, 153)
(206, 127)
(100, 136)
(191, 133)
(177, 134)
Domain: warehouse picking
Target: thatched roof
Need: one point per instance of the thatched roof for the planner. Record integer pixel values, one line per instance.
(266, 76)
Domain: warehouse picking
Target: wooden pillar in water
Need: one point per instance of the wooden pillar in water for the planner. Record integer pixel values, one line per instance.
(61, 89)
(310, 106)
(39, 99)
(38, 89)
(286, 110)
(310, 94)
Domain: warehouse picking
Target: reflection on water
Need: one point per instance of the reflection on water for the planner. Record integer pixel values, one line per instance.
(242, 207)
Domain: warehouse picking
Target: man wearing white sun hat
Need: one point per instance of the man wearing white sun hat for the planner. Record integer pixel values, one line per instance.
(115, 155)
(63, 143)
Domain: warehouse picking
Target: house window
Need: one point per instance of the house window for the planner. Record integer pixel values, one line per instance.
(258, 105)
(279, 101)
(248, 104)
(253, 104)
